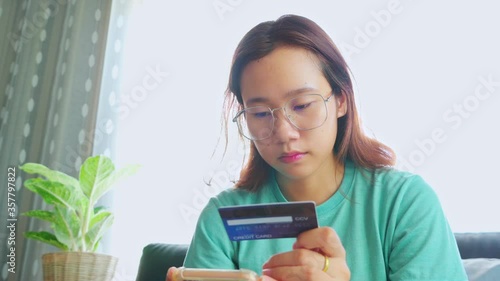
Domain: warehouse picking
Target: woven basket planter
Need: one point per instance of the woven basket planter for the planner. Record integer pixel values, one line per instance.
(78, 266)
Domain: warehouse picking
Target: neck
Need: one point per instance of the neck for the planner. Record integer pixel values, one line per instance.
(317, 187)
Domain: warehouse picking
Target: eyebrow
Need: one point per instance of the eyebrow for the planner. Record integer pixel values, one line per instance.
(287, 94)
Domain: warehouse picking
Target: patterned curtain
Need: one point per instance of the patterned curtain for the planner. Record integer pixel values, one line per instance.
(60, 64)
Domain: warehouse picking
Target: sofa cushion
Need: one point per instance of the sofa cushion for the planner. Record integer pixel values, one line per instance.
(481, 269)
(479, 245)
(157, 258)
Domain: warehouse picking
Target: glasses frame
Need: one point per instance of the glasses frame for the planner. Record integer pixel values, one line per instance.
(272, 110)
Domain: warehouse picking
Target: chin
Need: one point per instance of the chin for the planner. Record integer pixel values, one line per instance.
(294, 172)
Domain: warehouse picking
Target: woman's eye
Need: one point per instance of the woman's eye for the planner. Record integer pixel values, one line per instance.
(261, 114)
(301, 107)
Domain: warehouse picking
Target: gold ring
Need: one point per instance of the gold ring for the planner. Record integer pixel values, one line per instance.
(326, 264)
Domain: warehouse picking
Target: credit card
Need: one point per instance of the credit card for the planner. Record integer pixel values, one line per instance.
(268, 221)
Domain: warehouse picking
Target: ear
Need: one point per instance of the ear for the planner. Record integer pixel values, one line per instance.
(341, 101)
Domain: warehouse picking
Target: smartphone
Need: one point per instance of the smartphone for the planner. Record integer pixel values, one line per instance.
(203, 274)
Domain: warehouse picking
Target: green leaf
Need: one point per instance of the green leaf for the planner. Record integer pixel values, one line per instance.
(108, 183)
(99, 209)
(67, 227)
(82, 204)
(94, 171)
(54, 193)
(46, 237)
(40, 214)
(76, 224)
(35, 168)
(98, 175)
(56, 176)
(99, 214)
(95, 233)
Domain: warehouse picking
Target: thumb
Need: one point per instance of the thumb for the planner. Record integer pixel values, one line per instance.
(170, 274)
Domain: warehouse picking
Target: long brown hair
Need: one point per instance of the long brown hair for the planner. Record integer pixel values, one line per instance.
(291, 30)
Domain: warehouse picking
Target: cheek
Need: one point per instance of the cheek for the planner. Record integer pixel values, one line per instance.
(327, 134)
(264, 148)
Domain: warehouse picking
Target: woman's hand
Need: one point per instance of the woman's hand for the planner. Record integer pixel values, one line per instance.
(307, 260)
(170, 274)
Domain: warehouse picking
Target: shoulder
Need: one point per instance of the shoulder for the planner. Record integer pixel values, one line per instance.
(395, 189)
(394, 181)
(397, 178)
(238, 196)
(408, 196)
(233, 196)
(209, 220)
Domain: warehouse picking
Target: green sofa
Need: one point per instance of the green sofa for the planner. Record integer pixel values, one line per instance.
(480, 253)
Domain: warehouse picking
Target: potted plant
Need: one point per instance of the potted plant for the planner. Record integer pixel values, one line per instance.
(77, 223)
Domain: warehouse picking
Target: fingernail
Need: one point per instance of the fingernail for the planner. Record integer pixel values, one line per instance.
(266, 271)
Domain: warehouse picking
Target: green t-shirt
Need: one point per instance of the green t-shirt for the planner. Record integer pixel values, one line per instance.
(391, 224)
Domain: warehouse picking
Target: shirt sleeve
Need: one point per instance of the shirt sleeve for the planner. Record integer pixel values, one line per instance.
(423, 246)
(210, 246)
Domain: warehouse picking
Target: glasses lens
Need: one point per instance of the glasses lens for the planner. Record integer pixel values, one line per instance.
(306, 112)
(256, 123)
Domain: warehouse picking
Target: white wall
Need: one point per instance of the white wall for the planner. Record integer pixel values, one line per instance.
(413, 72)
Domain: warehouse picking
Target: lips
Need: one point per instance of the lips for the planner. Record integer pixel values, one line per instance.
(291, 157)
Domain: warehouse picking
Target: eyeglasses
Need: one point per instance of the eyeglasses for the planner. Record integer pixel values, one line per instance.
(305, 112)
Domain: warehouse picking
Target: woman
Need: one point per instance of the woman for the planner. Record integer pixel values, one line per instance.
(296, 105)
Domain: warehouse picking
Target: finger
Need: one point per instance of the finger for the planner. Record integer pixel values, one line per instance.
(324, 239)
(336, 268)
(295, 273)
(298, 257)
(170, 274)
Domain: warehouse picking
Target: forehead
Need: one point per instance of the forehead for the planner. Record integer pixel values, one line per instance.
(283, 72)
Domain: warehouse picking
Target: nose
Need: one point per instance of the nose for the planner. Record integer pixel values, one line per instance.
(284, 130)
